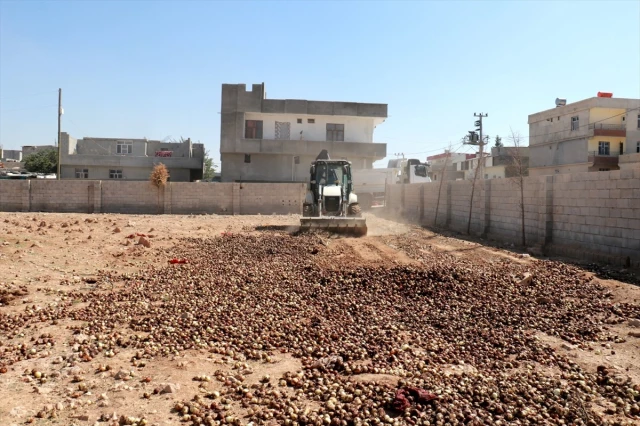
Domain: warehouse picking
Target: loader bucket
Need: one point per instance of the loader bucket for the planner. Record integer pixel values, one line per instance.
(338, 225)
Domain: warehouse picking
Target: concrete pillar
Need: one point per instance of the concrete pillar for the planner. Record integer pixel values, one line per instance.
(422, 203)
(487, 207)
(237, 187)
(167, 198)
(26, 196)
(448, 204)
(91, 193)
(548, 220)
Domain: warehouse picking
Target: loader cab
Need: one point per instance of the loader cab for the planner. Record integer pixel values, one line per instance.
(331, 173)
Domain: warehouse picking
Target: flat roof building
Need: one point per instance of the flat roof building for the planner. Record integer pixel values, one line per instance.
(275, 140)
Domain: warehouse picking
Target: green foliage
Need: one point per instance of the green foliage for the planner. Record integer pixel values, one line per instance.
(209, 167)
(45, 161)
(498, 143)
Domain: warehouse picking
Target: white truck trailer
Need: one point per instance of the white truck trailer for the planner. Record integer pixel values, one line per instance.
(370, 184)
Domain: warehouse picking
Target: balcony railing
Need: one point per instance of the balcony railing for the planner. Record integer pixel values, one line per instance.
(598, 126)
(603, 158)
(600, 129)
(603, 153)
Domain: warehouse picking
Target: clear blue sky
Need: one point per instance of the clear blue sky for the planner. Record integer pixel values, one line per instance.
(154, 69)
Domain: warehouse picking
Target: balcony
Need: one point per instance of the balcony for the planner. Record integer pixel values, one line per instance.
(336, 149)
(600, 129)
(603, 159)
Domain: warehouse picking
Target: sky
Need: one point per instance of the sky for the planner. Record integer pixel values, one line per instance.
(154, 68)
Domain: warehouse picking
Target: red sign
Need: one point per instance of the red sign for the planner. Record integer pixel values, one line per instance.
(164, 153)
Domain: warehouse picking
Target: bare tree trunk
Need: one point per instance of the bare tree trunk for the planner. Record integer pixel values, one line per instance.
(520, 170)
(444, 169)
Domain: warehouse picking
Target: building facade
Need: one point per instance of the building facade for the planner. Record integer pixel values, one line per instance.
(447, 165)
(589, 135)
(275, 140)
(128, 159)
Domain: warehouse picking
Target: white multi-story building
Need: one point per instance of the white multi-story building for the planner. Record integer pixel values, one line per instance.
(275, 140)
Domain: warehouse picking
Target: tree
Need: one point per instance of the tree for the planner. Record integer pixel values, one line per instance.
(45, 161)
(521, 170)
(209, 167)
(498, 143)
(158, 178)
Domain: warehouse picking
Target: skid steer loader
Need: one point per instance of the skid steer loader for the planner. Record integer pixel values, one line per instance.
(330, 203)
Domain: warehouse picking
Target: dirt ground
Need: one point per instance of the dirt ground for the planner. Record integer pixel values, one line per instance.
(46, 257)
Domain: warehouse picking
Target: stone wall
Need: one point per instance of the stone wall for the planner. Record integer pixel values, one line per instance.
(89, 196)
(589, 216)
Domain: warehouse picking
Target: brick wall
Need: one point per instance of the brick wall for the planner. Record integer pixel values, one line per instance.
(588, 216)
(88, 196)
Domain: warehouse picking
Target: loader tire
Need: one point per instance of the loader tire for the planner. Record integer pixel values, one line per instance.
(355, 210)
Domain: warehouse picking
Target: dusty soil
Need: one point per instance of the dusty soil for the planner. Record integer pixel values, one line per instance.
(44, 258)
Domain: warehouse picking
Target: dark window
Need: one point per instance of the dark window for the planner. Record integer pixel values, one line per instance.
(604, 170)
(638, 121)
(296, 160)
(115, 174)
(253, 129)
(82, 173)
(621, 148)
(311, 120)
(603, 148)
(575, 123)
(638, 147)
(247, 158)
(299, 120)
(335, 132)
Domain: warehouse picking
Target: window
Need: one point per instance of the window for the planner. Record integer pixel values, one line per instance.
(283, 131)
(311, 120)
(247, 158)
(124, 148)
(253, 129)
(335, 132)
(299, 120)
(115, 174)
(638, 147)
(82, 173)
(604, 170)
(603, 148)
(621, 148)
(624, 118)
(638, 121)
(575, 123)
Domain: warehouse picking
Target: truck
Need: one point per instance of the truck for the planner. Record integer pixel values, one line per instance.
(370, 184)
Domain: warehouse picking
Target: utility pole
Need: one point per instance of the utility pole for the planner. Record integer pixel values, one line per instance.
(59, 117)
(476, 139)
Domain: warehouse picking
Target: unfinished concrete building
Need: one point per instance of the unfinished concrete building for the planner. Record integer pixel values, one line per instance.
(275, 140)
(128, 159)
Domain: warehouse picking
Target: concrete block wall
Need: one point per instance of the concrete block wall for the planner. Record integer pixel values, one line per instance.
(460, 204)
(598, 213)
(591, 216)
(89, 196)
(188, 198)
(14, 195)
(271, 198)
(74, 197)
(131, 197)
